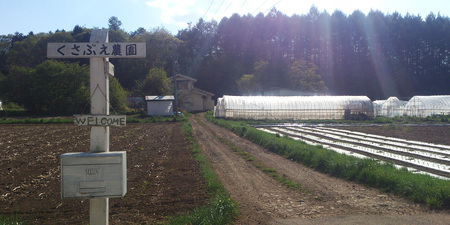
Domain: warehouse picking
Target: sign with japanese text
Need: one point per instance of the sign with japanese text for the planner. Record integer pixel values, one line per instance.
(100, 120)
(96, 50)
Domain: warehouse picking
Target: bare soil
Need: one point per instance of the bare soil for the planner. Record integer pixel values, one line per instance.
(324, 199)
(163, 179)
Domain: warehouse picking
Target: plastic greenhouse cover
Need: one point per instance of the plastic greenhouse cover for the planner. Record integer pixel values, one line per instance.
(394, 101)
(429, 102)
(296, 102)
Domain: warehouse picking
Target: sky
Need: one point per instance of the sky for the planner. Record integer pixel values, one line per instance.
(38, 16)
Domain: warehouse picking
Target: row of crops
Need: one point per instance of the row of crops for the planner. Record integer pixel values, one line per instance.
(417, 157)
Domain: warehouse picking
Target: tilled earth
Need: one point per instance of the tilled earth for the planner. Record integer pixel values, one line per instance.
(163, 178)
(324, 199)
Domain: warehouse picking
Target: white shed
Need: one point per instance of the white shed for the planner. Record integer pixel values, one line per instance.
(160, 105)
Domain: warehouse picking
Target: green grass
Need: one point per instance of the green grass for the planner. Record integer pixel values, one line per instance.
(35, 121)
(444, 119)
(12, 116)
(12, 220)
(154, 119)
(221, 209)
(420, 188)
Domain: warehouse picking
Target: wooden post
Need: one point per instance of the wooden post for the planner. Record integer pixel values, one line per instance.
(99, 140)
(98, 50)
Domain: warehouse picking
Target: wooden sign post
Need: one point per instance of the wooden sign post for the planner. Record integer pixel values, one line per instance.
(98, 50)
(99, 140)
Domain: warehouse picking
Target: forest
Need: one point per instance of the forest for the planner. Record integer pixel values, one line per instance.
(378, 55)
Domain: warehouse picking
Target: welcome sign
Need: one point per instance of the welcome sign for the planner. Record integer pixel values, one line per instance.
(100, 120)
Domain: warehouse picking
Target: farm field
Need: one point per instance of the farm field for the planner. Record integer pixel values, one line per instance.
(163, 178)
(431, 134)
(162, 175)
(422, 149)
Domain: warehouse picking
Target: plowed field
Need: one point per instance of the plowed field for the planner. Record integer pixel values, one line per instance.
(163, 179)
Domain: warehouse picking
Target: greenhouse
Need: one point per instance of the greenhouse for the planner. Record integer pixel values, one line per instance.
(293, 107)
(392, 107)
(423, 106)
(377, 105)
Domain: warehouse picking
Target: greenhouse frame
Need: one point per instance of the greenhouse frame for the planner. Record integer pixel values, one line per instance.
(377, 105)
(392, 107)
(424, 106)
(293, 107)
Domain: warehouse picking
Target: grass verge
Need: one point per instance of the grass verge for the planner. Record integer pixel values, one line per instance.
(221, 209)
(12, 220)
(438, 119)
(386, 177)
(35, 120)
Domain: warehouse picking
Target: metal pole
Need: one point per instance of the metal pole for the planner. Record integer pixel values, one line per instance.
(99, 138)
(175, 87)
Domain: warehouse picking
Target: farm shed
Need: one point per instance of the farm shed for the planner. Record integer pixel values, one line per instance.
(190, 98)
(159, 105)
(423, 106)
(292, 107)
(392, 107)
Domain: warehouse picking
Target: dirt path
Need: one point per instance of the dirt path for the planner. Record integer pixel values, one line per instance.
(324, 200)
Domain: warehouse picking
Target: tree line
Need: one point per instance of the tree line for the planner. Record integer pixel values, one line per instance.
(378, 55)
